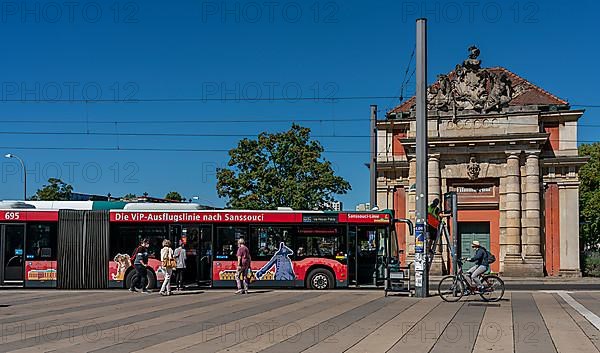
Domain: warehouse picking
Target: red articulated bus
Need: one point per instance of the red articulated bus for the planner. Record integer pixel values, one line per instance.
(312, 249)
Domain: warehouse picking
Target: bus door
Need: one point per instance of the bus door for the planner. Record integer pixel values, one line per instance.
(366, 254)
(198, 248)
(206, 251)
(12, 239)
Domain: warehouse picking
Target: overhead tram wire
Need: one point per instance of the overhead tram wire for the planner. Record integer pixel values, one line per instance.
(405, 80)
(195, 100)
(153, 134)
(167, 122)
(147, 149)
(29, 121)
(160, 134)
(222, 99)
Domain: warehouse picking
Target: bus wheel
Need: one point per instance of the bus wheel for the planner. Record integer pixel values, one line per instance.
(129, 279)
(320, 279)
(151, 279)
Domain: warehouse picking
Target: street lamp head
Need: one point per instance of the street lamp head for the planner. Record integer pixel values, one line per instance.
(8, 155)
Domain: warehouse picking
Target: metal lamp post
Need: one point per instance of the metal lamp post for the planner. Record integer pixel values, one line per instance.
(9, 155)
(421, 252)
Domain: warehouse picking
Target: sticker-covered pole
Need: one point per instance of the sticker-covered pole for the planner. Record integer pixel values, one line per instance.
(421, 262)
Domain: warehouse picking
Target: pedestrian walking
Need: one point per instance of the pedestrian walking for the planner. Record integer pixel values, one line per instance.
(243, 265)
(140, 263)
(180, 258)
(168, 264)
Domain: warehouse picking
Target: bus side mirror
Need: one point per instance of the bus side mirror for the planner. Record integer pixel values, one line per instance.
(411, 228)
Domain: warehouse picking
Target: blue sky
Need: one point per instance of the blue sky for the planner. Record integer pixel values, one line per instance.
(210, 49)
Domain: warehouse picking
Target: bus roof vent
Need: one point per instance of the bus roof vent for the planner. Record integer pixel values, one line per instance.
(284, 209)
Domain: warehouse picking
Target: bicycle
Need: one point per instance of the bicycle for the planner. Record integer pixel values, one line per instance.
(453, 287)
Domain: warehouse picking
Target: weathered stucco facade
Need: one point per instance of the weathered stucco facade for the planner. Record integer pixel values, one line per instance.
(509, 149)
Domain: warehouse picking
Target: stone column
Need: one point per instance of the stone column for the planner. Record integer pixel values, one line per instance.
(434, 189)
(534, 263)
(532, 205)
(512, 201)
(502, 207)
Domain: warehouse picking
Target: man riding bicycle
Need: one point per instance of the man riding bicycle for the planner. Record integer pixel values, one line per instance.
(481, 264)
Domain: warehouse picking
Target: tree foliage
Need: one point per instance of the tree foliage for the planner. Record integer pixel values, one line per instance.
(55, 190)
(589, 197)
(174, 196)
(129, 196)
(279, 170)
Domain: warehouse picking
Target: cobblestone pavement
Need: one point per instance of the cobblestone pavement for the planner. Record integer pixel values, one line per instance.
(295, 321)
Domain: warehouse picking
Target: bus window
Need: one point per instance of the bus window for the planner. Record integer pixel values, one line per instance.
(41, 242)
(320, 242)
(265, 241)
(125, 238)
(227, 238)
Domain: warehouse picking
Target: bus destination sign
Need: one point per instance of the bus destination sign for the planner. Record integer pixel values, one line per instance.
(319, 218)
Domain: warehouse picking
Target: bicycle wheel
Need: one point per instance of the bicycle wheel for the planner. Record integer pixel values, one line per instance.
(451, 289)
(494, 288)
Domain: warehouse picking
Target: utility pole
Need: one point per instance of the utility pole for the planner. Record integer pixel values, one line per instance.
(421, 253)
(373, 162)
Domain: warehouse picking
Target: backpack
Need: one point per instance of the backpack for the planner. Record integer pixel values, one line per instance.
(491, 257)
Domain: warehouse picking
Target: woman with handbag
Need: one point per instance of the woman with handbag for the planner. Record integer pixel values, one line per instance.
(168, 264)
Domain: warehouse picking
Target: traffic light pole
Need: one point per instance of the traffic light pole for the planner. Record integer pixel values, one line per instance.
(421, 263)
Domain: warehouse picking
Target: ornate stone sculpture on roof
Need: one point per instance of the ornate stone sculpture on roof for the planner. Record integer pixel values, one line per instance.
(470, 87)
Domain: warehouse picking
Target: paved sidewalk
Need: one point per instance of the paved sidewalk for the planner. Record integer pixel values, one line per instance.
(541, 283)
(296, 321)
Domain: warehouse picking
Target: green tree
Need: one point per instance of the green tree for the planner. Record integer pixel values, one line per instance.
(589, 196)
(279, 170)
(55, 190)
(129, 196)
(174, 196)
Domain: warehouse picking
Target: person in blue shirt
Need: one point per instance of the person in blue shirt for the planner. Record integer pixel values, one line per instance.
(140, 263)
(481, 264)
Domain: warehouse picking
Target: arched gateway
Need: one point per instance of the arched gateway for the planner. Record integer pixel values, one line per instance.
(509, 149)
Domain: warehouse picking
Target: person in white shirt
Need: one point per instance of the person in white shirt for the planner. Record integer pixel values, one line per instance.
(167, 259)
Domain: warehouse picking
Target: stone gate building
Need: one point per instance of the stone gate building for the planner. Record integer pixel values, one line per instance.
(509, 149)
